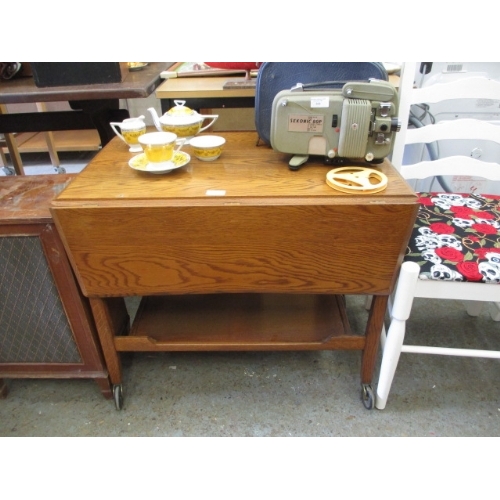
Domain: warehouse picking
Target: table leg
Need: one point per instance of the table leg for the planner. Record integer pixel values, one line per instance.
(372, 335)
(49, 139)
(3, 159)
(10, 141)
(111, 318)
(15, 157)
(14, 154)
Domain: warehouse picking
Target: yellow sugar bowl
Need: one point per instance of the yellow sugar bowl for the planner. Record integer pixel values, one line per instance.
(207, 147)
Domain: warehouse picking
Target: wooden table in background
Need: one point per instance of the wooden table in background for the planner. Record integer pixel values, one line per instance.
(95, 105)
(208, 92)
(236, 254)
(205, 92)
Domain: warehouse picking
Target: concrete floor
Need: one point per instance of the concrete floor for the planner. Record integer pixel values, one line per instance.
(39, 163)
(277, 393)
(273, 393)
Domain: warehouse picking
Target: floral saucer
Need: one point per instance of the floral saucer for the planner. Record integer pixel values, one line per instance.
(141, 164)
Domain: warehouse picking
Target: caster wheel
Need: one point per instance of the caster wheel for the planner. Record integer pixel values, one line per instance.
(118, 396)
(367, 396)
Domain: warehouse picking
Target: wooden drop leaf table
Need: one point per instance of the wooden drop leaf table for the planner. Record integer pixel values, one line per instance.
(236, 254)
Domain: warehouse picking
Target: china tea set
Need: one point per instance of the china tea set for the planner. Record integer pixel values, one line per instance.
(161, 151)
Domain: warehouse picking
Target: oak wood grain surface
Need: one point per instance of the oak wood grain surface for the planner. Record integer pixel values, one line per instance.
(271, 229)
(248, 174)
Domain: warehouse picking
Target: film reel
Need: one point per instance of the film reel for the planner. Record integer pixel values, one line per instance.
(356, 180)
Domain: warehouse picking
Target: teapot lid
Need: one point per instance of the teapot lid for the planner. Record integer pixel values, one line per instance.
(180, 110)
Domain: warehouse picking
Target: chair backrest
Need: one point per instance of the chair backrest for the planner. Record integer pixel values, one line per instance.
(276, 76)
(475, 87)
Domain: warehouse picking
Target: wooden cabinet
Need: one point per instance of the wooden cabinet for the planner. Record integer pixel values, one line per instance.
(46, 326)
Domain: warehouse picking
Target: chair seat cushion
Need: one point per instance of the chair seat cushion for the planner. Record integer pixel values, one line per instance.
(456, 237)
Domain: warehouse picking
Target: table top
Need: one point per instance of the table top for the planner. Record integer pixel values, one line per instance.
(27, 198)
(245, 173)
(211, 86)
(135, 84)
(196, 87)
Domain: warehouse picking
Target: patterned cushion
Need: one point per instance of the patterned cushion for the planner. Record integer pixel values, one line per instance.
(457, 237)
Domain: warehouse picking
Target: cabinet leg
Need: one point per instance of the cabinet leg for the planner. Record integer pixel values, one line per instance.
(110, 315)
(4, 390)
(105, 386)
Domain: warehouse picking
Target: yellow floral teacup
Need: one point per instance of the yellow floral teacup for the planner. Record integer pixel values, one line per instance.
(159, 147)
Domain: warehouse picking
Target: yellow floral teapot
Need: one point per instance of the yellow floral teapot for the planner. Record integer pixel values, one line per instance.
(181, 120)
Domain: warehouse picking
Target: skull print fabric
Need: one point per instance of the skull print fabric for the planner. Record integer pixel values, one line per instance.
(456, 237)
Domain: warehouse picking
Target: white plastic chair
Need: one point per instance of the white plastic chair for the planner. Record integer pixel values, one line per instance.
(412, 282)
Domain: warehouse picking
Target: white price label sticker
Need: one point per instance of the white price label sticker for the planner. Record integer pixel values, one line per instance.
(215, 192)
(319, 102)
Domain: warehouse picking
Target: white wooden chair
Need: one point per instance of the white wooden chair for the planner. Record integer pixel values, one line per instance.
(452, 252)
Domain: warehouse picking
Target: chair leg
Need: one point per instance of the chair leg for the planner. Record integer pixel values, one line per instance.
(383, 335)
(390, 359)
(495, 311)
(473, 307)
(401, 309)
(383, 338)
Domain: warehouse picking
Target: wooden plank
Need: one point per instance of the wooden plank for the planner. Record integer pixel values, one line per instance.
(287, 249)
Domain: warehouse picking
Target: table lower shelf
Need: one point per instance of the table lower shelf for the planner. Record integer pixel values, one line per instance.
(65, 140)
(231, 322)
